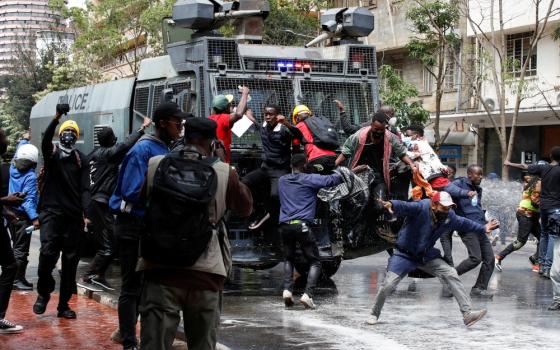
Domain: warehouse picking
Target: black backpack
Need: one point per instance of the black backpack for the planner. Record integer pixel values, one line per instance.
(324, 133)
(177, 220)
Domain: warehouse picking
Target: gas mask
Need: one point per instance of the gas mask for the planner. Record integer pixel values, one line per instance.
(68, 139)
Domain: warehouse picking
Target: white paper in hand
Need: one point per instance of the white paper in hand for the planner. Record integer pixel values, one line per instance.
(241, 126)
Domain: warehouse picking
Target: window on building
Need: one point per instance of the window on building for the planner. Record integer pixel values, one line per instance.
(450, 80)
(427, 81)
(518, 46)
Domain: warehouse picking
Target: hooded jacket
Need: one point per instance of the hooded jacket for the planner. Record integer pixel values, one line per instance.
(104, 167)
(420, 233)
(464, 202)
(127, 196)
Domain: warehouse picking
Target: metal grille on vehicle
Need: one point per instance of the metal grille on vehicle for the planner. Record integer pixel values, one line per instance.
(203, 92)
(266, 64)
(223, 51)
(141, 100)
(157, 96)
(96, 129)
(361, 58)
(179, 87)
(263, 92)
(356, 96)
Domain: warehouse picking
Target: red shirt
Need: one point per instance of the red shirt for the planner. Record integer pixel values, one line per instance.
(312, 151)
(223, 132)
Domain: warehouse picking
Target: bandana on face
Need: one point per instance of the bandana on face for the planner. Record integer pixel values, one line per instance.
(68, 140)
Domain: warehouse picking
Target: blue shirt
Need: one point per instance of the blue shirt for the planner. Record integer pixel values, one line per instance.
(133, 173)
(298, 194)
(25, 182)
(464, 202)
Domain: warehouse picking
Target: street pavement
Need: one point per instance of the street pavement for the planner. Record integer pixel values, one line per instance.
(255, 318)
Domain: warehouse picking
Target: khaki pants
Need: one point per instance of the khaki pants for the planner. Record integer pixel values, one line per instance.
(160, 308)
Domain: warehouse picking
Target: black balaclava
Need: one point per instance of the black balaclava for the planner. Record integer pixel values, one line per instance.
(106, 137)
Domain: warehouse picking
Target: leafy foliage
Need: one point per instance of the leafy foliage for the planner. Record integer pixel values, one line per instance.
(295, 16)
(397, 93)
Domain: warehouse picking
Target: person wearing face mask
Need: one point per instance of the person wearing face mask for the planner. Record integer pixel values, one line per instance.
(374, 146)
(62, 213)
(425, 221)
(277, 136)
(104, 164)
(129, 203)
(478, 246)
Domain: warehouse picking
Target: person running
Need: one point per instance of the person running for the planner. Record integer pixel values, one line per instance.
(7, 260)
(319, 159)
(528, 215)
(277, 136)
(425, 221)
(173, 285)
(104, 164)
(478, 246)
(62, 213)
(298, 203)
(225, 116)
(550, 218)
(23, 179)
(130, 205)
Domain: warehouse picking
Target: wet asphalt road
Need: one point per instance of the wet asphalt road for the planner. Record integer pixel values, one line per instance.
(254, 317)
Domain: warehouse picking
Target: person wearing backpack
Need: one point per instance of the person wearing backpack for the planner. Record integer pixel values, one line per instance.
(62, 213)
(129, 202)
(320, 139)
(184, 251)
(104, 164)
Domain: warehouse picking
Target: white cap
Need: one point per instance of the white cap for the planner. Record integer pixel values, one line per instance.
(27, 151)
(443, 198)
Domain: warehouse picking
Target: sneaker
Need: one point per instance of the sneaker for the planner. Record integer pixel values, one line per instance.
(534, 261)
(259, 221)
(498, 264)
(472, 317)
(535, 268)
(555, 306)
(307, 301)
(546, 274)
(87, 283)
(102, 282)
(373, 320)
(288, 298)
(20, 285)
(481, 293)
(7, 327)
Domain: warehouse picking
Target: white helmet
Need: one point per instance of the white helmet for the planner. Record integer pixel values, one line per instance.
(29, 152)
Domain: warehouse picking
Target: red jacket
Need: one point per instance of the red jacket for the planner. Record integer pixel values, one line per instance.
(312, 151)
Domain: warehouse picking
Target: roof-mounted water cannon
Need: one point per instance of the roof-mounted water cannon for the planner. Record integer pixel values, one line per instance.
(346, 24)
(205, 16)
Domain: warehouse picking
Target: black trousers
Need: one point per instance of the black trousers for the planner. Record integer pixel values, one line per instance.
(527, 225)
(21, 241)
(446, 241)
(480, 251)
(127, 231)
(103, 225)
(303, 235)
(60, 233)
(263, 184)
(322, 165)
(9, 269)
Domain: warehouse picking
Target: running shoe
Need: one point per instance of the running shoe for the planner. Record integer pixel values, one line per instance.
(307, 301)
(472, 317)
(535, 268)
(288, 298)
(498, 263)
(102, 282)
(7, 327)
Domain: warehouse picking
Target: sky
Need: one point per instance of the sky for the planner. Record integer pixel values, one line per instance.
(77, 3)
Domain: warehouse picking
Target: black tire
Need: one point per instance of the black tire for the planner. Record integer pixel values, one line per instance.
(328, 268)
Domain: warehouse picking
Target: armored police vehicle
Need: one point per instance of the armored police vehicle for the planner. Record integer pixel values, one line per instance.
(207, 64)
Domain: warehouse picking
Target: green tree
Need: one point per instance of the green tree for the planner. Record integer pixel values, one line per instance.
(434, 22)
(292, 23)
(130, 30)
(397, 93)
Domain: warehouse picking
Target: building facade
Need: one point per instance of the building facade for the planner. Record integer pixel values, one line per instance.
(20, 21)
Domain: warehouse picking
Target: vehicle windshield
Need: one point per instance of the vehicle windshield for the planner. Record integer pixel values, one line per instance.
(317, 95)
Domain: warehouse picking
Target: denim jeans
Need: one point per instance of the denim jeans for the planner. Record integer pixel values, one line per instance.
(549, 232)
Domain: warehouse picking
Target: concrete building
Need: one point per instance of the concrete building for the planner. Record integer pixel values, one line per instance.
(20, 20)
(472, 138)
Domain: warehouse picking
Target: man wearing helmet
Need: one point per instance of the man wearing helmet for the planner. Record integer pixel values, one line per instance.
(24, 180)
(319, 160)
(64, 198)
